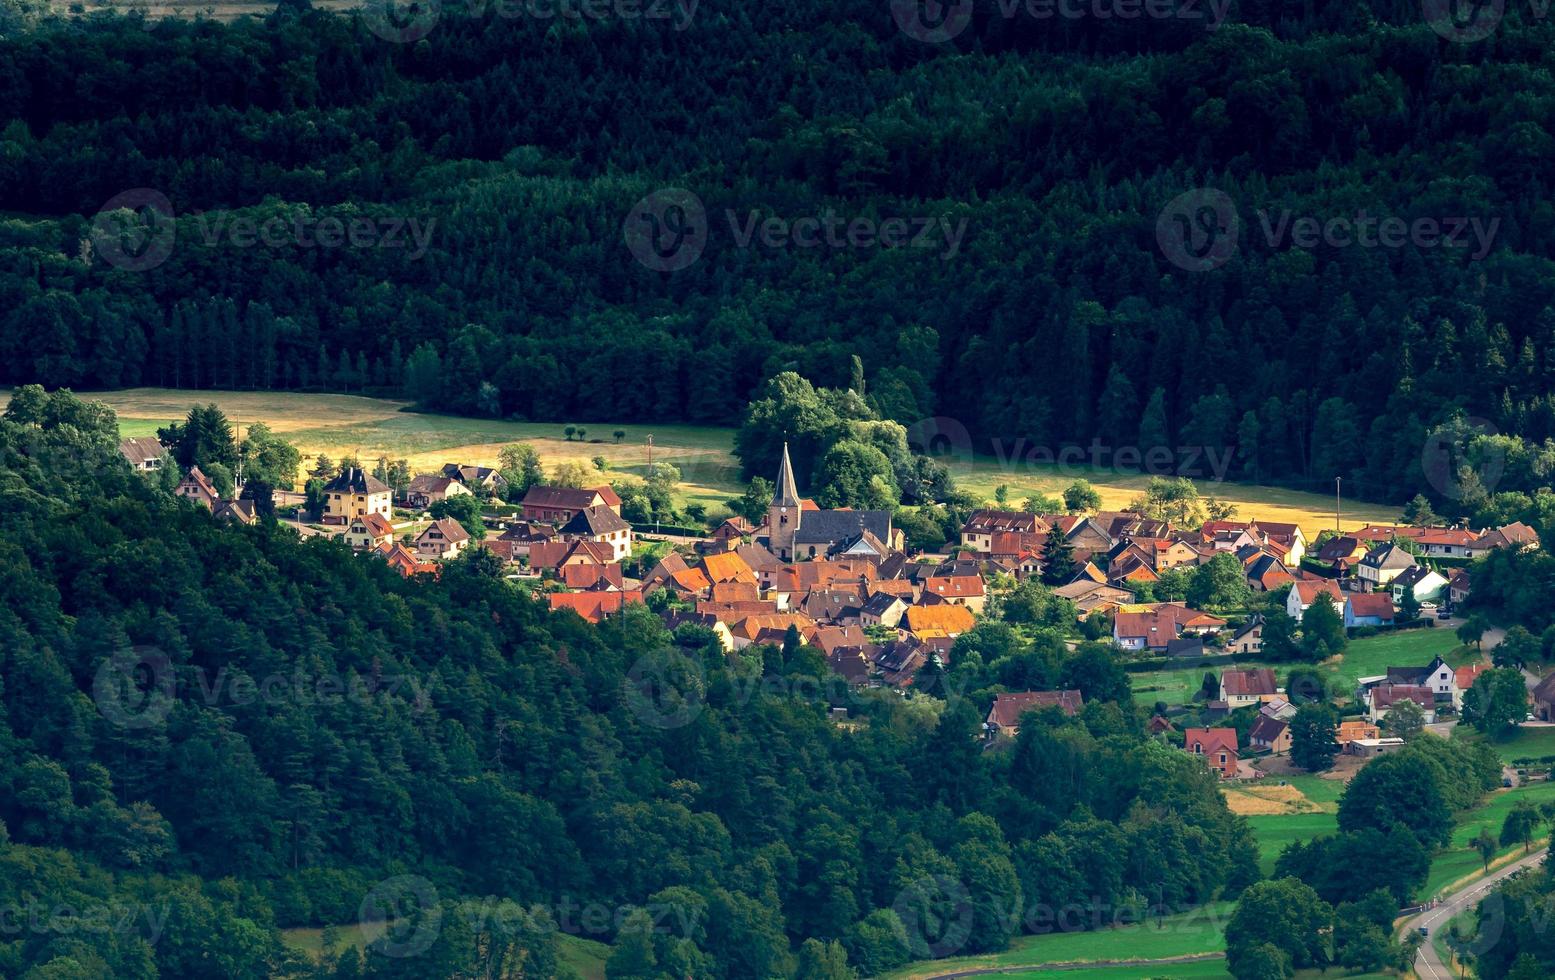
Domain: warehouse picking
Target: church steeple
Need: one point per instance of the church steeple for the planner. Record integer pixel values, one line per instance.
(786, 492)
(784, 515)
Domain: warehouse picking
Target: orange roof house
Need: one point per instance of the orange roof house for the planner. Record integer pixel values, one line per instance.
(951, 619)
(727, 567)
(1216, 746)
(595, 607)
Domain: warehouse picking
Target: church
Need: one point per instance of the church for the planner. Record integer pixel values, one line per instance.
(798, 530)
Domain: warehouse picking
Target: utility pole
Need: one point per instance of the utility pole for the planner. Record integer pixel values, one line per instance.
(1336, 505)
(650, 477)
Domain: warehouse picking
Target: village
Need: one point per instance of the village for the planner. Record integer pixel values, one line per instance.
(846, 583)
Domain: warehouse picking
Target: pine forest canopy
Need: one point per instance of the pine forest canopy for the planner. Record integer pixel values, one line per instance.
(504, 155)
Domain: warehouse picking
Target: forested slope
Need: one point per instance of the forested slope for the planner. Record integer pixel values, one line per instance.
(227, 731)
(521, 144)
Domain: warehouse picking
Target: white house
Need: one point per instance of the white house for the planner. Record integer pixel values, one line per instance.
(1304, 591)
(1426, 584)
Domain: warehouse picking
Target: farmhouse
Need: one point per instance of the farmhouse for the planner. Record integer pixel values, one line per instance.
(424, 491)
(1270, 734)
(1244, 687)
(601, 525)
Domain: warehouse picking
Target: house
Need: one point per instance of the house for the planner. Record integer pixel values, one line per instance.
(1152, 627)
(980, 529)
(145, 454)
(593, 578)
(1441, 679)
(1385, 696)
(558, 505)
(1426, 584)
(196, 486)
(1368, 609)
(442, 539)
(735, 529)
(1382, 565)
(1304, 591)
(1370, 747)
(1543, 697)
(403, 560)
(1004, 717)
(946, 619)
(479, 479)
(1448, 542)
(1341, 552)
(1270, 734)
(1458, 587)
(1514, 535)
(1249, 636)
(1088, 596)
(237, 512)
(1265, 572)
(601, 525)
(882, 609)
(553, 556)
(1349, 731)
(1278, 708)
(1250, 686)
(356, 493)
(424, 491)
(367, 532)
(1159, 725)
(963, 590)
(520, 538)
(595, 607)
(1216, 746)
(1465, 678)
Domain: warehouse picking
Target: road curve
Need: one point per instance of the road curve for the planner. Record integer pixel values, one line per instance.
(1428, 965)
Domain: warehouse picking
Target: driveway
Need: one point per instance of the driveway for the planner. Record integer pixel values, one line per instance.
(1428, 965)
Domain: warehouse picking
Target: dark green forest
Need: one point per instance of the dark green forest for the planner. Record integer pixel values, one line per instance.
(230, 731)
(519, 146)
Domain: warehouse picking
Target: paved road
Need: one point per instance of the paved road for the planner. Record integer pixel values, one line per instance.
(1428, 965)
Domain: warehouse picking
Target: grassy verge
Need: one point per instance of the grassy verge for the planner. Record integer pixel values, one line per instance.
(1191, 933)
(1459, 860)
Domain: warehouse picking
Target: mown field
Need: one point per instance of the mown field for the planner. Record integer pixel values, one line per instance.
(369, 427)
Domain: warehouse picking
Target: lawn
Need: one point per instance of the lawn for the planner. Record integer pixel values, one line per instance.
(1526, 743)
(1460, 859)
(1273, 832)
(1373, 655)
(1190, 933)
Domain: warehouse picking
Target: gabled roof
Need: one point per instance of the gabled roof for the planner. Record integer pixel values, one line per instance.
(1388, 556)
(727, 567)
(955, 586)
(374, 524)
(1252, 682)
(1003, 521)
(1307, 590)
(1465, 677)
(947, 616)
(570, 498)
(1008, 708)
(1266, 730)
(1209, 740)
(830, 526)
(355, 480)
(1379, 604)
(452, 531)
(141, 450)
(1339, 547)
(593, 606)
(595, 521)
(198, 478)
(427, 483)
(880, 603)
(1390, 694)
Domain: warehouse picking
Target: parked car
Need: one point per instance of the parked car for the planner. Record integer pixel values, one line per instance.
(1428, 608)
(1443, 614)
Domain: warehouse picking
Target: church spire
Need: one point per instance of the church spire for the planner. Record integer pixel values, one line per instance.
(786, 492)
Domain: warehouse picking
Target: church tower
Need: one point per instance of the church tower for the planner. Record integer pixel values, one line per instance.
(784, 514)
